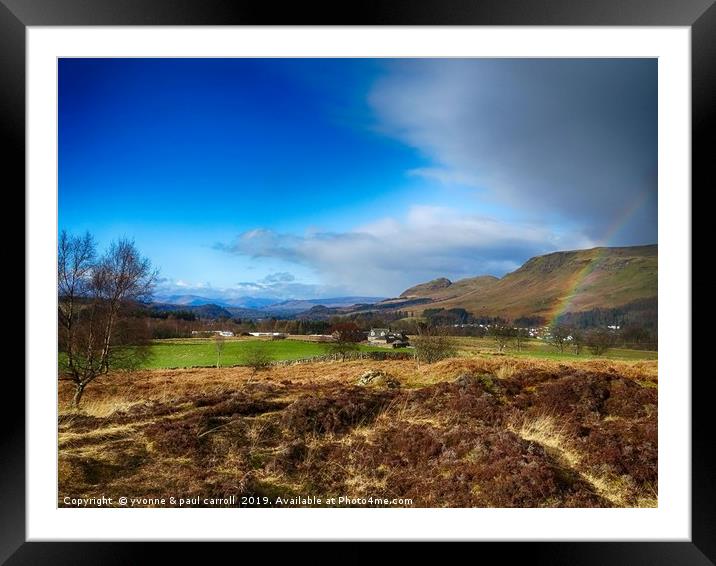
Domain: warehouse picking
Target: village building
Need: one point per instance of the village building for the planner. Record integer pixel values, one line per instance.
(387, 337)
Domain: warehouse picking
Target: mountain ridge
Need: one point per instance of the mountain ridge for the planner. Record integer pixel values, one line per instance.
(572, 281)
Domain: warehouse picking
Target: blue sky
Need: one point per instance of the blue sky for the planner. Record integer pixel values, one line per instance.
(304, 178)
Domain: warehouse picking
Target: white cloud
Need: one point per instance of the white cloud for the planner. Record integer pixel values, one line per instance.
(389, 255)
(278, 286)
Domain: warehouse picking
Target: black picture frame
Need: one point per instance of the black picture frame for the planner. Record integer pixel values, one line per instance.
(699, 15)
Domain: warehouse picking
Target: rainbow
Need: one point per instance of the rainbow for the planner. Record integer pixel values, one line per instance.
(576, 282)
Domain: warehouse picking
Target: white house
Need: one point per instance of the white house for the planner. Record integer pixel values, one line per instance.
(386, 336)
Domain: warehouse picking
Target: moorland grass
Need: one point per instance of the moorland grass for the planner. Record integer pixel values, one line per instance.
(490, 431)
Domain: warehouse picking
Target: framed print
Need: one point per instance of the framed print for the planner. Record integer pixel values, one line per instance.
(421, 275)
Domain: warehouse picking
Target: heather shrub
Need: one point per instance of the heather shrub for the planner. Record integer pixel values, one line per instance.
(179, 437)
(406, 445)
(513, 472)
(240, 403)
(625, 448)
(461, 401)
(580, 393)
(337, 412)
(148, 408)
(628, 399)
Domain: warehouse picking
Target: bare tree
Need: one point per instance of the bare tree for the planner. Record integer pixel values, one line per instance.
(599, 341)
(502, 335)
(432, 345)
(559, 336)
(121, 275)
(577, 340)
(256, 355)
(91, 295)
(219, 345)
(75, 259)
(346, 336)
(521, 338)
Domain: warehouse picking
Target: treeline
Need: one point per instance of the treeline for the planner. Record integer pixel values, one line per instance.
(633, 328)
(599, 340)
(180, 324)
(643, 313)
(168, 315)
(470, 324)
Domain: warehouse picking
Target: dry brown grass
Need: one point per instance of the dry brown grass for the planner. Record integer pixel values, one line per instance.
(619, 490)
(510, 432)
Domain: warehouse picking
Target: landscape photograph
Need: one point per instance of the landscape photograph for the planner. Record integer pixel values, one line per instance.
(353, 282)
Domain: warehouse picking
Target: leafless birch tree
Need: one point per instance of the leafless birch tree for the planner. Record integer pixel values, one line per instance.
(92, 291)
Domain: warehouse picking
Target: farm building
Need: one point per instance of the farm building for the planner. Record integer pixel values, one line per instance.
(225, 333)
(269, 334)
(387, 336)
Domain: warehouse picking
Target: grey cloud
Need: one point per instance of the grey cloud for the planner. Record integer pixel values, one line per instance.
(571, 139)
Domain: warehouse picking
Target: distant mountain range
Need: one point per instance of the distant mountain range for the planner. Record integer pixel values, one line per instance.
(256, 307)
(303, 305)
(196, 300)
(544, 287)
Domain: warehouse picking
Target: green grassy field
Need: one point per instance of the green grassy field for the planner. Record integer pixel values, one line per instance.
(202, 351)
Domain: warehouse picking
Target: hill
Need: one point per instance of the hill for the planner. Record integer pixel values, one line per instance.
(552, 284)
(209, 310)
(296, 306)
(443, 289)
(427, 289)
